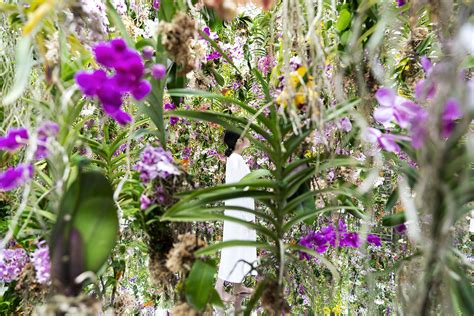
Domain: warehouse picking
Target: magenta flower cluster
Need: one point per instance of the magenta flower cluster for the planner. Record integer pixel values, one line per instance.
(155, 162)
(409, 115)
(12, 262)
(168, 107)
(330, 236)
(265, 64)
(127, 78)
(42, 263)
(16, 138)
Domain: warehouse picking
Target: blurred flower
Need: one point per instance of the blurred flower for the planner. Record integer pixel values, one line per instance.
(401, 3)
(395, 107)
(400, 229)
(426, 64)
(145, 202)
(177, 38)
(345, 124)
(464, 38)
(211, 35)
(451, 113)
(42, 263)
(425, 90)
(265, 64)
(148, 52)
(158, 71)
(214, 55)
(15, 138)
(156, 4)
(46, 132)
(12, 262)
(14, 177)
(374, 240)
(350, 239)
(385, 141)
(168, 107)
(154, 163)
(120, 6)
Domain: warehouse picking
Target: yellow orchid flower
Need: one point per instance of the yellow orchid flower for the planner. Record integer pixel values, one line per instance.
(337, 310)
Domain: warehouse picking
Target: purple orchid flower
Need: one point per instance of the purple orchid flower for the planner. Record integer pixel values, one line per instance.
(213, 55)
(46, 131)
(14, 177)
(451, 113)
(158, 71)
(110, 90)
(374, 240)
(15, 138)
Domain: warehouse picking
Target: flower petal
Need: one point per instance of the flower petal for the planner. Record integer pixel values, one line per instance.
(383, 115)
(385, 96)
(141, 90)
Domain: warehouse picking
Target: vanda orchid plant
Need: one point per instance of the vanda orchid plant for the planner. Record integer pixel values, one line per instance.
(111, 155)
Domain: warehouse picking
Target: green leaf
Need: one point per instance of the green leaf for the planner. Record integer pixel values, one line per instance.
(392, 200)
(97, 222)
(257, 174)
(343, 21)
(212, 249)
(468, 62)
(394, 220)
(220, 80)
(255, 297)
(215, 299)
(199, 284)
(87, 208)
(24, 63)
(345, 37)
(167, 10)
(116, 20)
(213, 96)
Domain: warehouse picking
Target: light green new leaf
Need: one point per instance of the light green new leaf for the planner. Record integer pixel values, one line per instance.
(199, 284)
(24, 63)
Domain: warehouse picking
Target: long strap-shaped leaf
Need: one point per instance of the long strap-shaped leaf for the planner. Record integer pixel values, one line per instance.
(340, 191)
(212, 249)
(219, 197)
(208, 95)
(212, 209)
(258, 183)
(223, 119)
(220, 217)
(298, 218)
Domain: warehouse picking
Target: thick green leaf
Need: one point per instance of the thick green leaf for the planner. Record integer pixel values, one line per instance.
(167, 10)
(343, 21)
(88, 208)
(24, 63)
(394, 220)
(199, 284)
(97, 221)
(215, 299)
